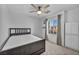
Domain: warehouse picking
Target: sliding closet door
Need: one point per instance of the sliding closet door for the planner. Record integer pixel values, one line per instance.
(72, 35)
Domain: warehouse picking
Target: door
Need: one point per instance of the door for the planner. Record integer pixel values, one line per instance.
(72, 35)
(59, 40)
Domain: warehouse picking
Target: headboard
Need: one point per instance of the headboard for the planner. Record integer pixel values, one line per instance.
(19, 31)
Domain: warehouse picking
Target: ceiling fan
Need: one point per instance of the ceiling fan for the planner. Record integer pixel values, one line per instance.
(40, 9)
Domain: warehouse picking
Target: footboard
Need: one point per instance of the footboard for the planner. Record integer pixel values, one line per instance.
(34, 48)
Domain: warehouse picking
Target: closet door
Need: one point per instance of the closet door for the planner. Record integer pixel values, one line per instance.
(71, 36)
(72, 42)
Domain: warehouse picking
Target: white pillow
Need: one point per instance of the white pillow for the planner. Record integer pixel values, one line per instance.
(28, 30)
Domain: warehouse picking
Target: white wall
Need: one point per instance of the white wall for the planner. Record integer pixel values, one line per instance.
(4, 24)
(25, 21)
(10, 20)
(73, 15)
(0, 21)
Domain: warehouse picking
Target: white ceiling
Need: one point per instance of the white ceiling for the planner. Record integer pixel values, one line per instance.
(25, 8)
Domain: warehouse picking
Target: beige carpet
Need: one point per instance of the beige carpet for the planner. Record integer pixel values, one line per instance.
(53, 49)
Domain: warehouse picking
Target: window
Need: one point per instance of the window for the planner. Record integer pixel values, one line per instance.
(52, 26)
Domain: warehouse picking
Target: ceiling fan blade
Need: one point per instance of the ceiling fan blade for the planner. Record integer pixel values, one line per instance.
(34, 6)
(45, 6)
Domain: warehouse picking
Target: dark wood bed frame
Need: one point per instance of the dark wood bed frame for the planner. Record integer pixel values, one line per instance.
(34, 48)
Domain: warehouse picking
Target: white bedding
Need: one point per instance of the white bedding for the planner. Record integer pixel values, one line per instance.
(20, 40)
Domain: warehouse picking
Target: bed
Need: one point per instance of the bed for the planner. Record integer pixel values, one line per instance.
(22, 42)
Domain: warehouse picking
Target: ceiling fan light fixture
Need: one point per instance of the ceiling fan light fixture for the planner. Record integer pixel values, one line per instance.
(40, 9)
(39, 12)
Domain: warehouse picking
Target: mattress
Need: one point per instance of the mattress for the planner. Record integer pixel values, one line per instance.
(19, 40)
